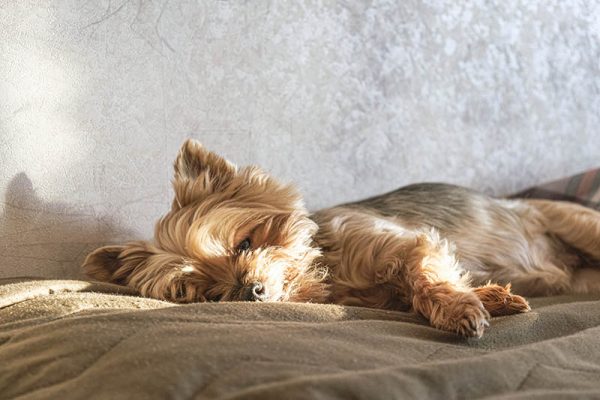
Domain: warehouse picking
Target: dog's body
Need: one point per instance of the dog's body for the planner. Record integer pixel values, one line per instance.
(431, 248)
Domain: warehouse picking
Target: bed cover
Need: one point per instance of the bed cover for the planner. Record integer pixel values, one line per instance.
(78, 339)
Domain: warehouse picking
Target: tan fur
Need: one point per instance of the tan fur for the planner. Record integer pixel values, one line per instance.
(238, 234)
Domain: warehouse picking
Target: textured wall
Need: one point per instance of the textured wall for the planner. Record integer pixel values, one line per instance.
(347, 99)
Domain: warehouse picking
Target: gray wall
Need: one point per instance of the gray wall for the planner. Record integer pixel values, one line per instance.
(347, 99)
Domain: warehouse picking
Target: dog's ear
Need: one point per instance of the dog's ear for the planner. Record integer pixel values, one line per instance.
(199, 171)
(114, 264)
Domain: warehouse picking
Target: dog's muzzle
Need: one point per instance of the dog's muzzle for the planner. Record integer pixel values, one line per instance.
(254, 292)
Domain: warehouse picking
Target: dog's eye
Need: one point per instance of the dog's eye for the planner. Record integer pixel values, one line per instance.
(181, 292)
(244, 245)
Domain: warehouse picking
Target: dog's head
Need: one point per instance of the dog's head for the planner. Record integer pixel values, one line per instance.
(231, 234)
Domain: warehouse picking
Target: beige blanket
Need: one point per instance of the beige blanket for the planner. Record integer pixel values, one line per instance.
(75, 339)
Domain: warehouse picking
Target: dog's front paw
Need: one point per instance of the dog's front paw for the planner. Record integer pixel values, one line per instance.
(464, 314)
(517, 304)
(498, 300)
(472, 321)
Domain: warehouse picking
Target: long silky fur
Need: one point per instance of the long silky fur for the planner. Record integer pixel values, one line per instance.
(448, 253)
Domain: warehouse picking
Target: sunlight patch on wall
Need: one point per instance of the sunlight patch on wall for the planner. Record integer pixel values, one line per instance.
(38, 122)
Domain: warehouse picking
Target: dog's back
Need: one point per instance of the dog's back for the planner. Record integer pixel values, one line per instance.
(442, 206)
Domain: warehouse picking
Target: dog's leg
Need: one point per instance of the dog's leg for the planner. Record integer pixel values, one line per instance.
(576, 225)
(498, 300)
(398, 269)
(378, 263)
(438, 291)
(579, 227)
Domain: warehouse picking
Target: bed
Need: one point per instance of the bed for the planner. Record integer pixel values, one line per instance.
(78, 339)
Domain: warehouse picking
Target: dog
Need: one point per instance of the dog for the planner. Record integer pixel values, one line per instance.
(239, 235)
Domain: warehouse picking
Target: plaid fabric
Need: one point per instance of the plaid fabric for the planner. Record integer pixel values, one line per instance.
(583, 189)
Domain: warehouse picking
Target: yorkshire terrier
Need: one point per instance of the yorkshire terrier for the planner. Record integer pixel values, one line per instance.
(239, 235)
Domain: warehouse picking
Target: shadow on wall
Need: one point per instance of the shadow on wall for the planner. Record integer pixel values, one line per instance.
(44, 239)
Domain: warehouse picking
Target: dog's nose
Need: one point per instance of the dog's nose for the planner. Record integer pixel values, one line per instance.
(254, 292)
